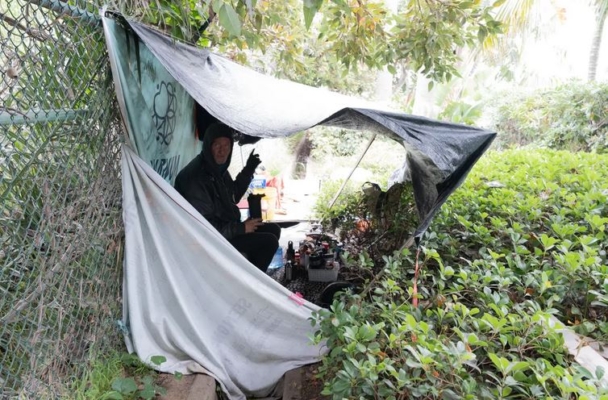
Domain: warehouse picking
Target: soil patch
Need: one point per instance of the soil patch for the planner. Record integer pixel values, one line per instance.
(311, 385)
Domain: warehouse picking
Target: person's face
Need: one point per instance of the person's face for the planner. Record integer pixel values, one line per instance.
(220, 149)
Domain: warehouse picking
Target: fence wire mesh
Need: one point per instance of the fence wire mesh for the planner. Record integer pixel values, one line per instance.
(61, 227)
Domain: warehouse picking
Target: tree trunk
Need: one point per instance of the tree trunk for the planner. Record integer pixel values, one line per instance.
(384, 79)
(596, 44)
(303, 150)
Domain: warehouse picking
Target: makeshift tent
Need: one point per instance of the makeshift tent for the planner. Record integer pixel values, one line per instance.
(188, 295)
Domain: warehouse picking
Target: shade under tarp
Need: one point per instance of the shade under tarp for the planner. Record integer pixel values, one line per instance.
(188, 294)
(439, 154)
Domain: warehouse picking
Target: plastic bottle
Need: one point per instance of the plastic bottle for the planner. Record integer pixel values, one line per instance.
(288, 272)
(290, 253)
(277, 260)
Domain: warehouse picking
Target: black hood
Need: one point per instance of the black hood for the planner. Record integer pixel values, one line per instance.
(214, 131)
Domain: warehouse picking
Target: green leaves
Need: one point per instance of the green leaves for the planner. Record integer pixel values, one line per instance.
(498, 261)
(547, 242)
(124, 385)
(122, 388)
(158, 360)
(507, 367)
(230, 19)
(430, 35)
(310, 7)
(127, 388)
(348, 36)
(597, 223)
(139, 382)
(561, 117)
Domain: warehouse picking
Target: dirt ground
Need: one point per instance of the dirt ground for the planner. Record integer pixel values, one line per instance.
(312, 386)
(202, 387)
(188, 387)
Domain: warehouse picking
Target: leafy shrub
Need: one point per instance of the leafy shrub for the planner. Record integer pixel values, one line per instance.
(345, 205)
(548, 223)
(121, 376)
(336, 142)
(524, 238)
(369, 219)
(572, 116)
(461, 112)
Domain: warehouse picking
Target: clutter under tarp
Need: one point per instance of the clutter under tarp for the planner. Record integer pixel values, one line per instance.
(188, 295)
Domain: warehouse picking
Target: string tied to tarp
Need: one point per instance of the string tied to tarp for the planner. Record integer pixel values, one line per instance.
(416, 272)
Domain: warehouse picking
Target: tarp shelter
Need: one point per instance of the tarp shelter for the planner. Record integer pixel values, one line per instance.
(188, 295)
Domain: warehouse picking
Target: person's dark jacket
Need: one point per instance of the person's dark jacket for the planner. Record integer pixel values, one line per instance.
(210, 188)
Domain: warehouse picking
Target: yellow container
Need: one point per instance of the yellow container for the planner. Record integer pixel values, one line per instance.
(269, 203)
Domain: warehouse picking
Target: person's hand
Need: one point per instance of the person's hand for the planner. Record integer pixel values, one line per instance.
(251, 225)
(253, 161)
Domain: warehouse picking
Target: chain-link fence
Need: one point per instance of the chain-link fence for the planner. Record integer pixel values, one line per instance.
(61, 229)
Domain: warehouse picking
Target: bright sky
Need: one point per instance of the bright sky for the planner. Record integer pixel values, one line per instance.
(565, 53)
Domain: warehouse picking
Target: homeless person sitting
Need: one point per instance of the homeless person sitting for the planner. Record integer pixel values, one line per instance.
(206, 184)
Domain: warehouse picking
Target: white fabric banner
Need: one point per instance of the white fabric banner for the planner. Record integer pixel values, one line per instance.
(193, 298)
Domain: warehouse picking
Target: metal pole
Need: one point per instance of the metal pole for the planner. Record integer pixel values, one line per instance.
(65, 9)
(12, 117)
(333, 201)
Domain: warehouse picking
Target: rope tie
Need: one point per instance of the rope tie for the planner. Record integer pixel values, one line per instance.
(416, 270)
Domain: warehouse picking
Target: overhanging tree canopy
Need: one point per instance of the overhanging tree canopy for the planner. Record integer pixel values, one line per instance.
(439, 154)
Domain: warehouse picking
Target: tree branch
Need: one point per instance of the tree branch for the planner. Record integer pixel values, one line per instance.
(204, 26)
(34, 33)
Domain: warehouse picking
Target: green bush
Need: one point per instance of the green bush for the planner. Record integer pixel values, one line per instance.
(548, 223)
(370, 220)
(461, 112)
(572, 116)
(120, 376)
(523, 239)
(336, 142)
(346, 204)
